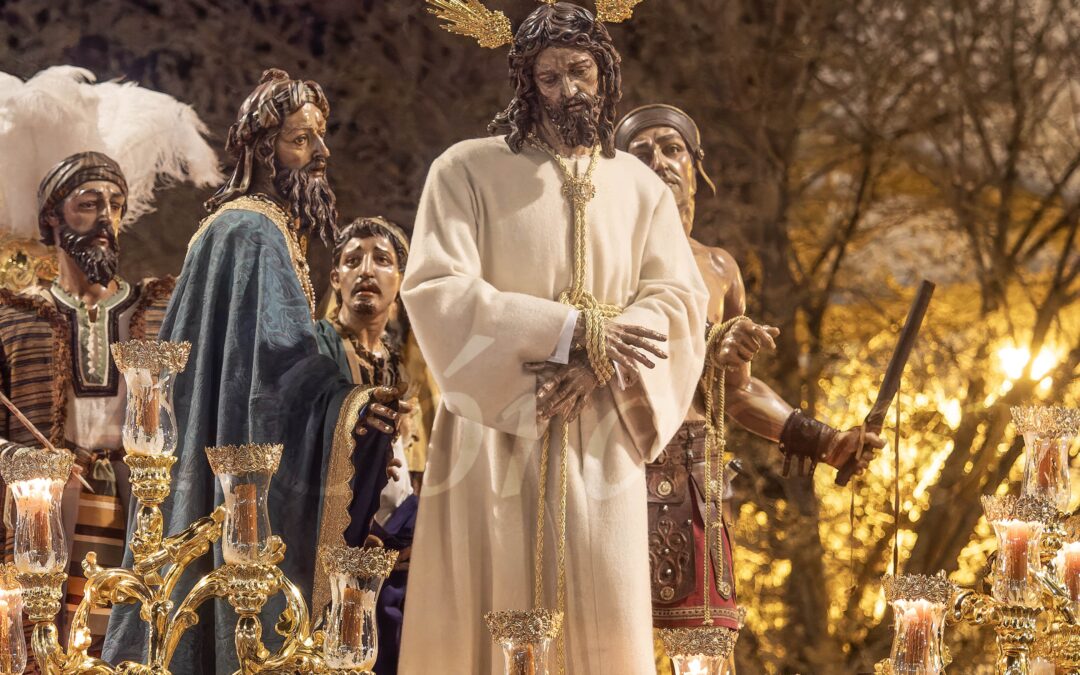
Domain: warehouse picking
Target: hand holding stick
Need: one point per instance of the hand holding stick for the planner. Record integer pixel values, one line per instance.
(36, 434)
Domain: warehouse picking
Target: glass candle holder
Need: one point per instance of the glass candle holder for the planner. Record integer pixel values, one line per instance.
(919, 605)
(527, 638)
(37, 478)
(699, 651)
(1048, 432)
(244, 472)
(1067, 567)
(12, 643)
(1018, 523)
(150, 368)
(356, 577)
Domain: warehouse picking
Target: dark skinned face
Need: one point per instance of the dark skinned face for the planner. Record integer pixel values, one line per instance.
(300, 160)
(91, 222)
(666, 153)
(301, 143)
(367, 276)
(568, 82)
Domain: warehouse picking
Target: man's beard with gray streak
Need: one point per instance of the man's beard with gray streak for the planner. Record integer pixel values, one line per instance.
(98, 264)
(310, 198)
(576, 119)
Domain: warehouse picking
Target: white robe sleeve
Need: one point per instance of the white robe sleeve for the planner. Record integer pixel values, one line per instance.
(474, 337)
(671, 299)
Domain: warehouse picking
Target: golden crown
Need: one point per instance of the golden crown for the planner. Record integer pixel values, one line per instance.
(492, 28)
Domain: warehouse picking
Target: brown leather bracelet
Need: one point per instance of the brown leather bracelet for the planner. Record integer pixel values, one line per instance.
(805, 439)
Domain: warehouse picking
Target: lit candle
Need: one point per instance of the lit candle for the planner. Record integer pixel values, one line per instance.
(247, 514)
(1048, 466)
(1040, 666)
(696, 667)
(524, 660)
(1069, 563)
(916, 619)
(34, 501)
(6, 657)
(1018, 535)
(352, 618)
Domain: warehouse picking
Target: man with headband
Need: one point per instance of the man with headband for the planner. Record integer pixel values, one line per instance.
(667, 139)
(255, 375)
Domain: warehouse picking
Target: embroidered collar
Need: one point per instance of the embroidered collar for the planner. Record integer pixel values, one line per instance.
(93, 370)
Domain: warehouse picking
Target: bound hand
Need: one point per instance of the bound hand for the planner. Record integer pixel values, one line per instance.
(742, 343)
(627, 344)
(851, 443)
(563, 389)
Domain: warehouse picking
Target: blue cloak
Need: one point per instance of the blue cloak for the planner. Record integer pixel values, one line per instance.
(255, 375)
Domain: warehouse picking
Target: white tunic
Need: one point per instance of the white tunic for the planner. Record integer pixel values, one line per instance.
(491, 252)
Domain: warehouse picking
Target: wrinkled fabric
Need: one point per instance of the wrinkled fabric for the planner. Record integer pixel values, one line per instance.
(491, 254)
(255, 375)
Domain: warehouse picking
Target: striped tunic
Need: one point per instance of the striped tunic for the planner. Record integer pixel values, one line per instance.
(37, 344)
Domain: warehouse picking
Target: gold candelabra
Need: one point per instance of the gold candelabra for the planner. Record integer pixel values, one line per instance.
(1034, 574)
(249, 577)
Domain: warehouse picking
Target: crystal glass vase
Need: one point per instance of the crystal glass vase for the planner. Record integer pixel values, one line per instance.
(1018, 523)
(919, 603)
(244, 472)
(37, 478)
(150, 368)
(356, 577)
(12, 643)
(527, 639)
(699, 651)
(1048, 432)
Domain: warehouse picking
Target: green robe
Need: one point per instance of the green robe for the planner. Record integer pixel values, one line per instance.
(255, 375)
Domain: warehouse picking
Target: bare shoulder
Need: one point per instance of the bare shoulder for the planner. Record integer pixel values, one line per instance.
(718, 260)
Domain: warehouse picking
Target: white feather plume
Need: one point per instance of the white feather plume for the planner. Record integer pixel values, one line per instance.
(62, 111)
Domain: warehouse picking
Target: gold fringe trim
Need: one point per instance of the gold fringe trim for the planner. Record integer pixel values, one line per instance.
(337, 492)
(280, 219)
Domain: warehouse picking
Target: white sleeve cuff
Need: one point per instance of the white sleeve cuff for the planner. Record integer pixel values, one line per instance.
(562, 348)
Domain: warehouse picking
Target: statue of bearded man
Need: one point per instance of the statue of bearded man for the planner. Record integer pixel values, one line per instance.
(245, 302)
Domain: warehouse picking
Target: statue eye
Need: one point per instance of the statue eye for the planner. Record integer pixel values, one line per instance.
(301, 140)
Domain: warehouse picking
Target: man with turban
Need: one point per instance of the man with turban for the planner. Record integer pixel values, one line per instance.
(255, 375)
(57, 366)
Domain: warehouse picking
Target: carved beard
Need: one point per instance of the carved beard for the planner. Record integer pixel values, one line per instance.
(310, 198)
(98, 264)
(576, 126)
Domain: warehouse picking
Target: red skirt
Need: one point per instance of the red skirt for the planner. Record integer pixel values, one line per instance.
(677, 539)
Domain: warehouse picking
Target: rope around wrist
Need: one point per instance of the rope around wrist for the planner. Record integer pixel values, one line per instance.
(596, 345)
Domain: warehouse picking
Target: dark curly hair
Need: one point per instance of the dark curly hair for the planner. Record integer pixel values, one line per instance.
(559, 25)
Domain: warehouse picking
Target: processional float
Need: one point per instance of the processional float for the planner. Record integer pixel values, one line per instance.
(345, 644)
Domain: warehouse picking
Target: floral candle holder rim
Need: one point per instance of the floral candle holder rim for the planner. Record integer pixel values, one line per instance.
(246, 458)
(151, 354)
(934, 588)
(364, 563)
(529, 626)
(703, 641)
(1025, 508)
(36, 464)
(1046, 421)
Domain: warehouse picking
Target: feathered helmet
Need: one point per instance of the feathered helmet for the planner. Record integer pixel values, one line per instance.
(61, 129)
